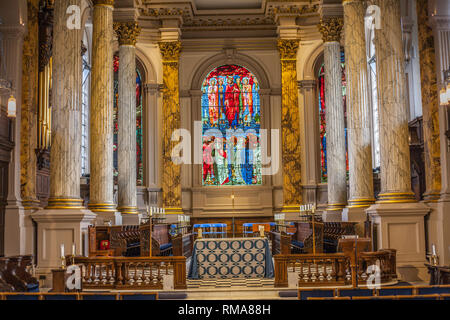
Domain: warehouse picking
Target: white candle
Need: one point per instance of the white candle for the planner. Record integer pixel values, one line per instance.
(62, 249)
(73, 249)
(433, 248)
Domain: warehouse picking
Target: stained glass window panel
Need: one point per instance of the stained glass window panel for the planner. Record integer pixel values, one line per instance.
(231, 119)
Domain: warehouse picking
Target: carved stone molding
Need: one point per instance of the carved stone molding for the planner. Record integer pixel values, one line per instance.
(103, 2)
(331, 29)
(306, 84)
(288, 48)
(170, 50)
(127, 32)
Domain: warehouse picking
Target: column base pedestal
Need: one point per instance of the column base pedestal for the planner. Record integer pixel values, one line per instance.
(401, 226)
(105, 217)
(19, 231)
(56, 227)
(131, 219)
(332, 215)
(355, 214)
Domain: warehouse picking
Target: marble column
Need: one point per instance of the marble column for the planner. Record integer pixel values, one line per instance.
(14, 217)
(361, 194)
(28, 140)
(399, 217)
(171, 175)
(290, 126)
(330, 29)
(430, 104)
(127, 201)
(101, 119)
(64, 220)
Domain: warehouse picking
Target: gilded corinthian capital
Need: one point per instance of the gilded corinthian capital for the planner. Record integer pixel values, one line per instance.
(104, 3)
(170, 50)
(288, 48)
(127, 32)
(330, 29)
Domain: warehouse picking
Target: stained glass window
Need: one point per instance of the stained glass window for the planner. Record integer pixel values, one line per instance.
(322, 118)
(139, 139)
(230, 127)
(85, 115)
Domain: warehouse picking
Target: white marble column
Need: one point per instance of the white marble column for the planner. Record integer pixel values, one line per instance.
(127, 33)
(65, 220)
(399, 217)
(361, 194)
(101, 121)
(336, 161)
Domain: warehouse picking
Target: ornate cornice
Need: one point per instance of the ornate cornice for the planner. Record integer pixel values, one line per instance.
(127, 32)
(158, 12)
(103, 3)
(170, 50)
(288, 48)
(331, 28)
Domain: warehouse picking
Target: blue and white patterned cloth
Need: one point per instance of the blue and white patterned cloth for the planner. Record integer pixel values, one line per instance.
(231, 258)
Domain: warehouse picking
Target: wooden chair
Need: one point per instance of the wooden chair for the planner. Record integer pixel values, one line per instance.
(424, 290)
(60, 296)
(396, 291)
(21, 296)
(356, 292)
(98, 296)
(304, 294)
(333, 298)
(139, 296)
(375, 298)
(420, 297)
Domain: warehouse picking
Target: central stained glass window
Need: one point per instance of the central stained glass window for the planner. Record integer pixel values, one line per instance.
(231, 127)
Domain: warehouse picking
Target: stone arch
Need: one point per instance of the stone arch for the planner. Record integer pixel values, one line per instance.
(232, 57)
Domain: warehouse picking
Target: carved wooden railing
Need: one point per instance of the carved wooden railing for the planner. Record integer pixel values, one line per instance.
(130, 272)
(333, 269)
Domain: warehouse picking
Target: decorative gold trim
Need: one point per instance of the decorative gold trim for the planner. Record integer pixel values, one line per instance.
(128, 210)
(396, 197)
(288, 48)
(102, 207)
(170, 51)
(331, 29)
(360, 203)
(174, 210)
(335, 206)
(290, 209)
(64, 203)
(127, 32)
(107, 3)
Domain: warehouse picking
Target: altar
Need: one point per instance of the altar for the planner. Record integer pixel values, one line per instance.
(231, 258)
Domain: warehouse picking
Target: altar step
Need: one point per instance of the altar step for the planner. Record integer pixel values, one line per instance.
(230, 283)
(235, 294)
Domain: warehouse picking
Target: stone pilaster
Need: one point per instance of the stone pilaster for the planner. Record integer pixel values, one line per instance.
(171, 179)
(399, 217)
(101, 121)
(330, 29)
(127, 200)
(28, 140)
(430, 104)
(361, 194)
(290, 126)
(64, 220)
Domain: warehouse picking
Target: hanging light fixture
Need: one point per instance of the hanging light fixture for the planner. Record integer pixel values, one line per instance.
(11, 111)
